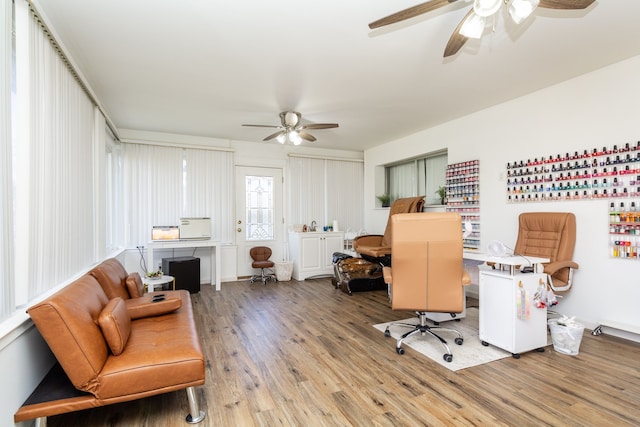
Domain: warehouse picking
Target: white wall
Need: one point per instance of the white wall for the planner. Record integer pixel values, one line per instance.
(598, 109)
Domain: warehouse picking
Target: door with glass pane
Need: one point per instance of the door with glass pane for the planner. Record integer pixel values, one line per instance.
(259, 220)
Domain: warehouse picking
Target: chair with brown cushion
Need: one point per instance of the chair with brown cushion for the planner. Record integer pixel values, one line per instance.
(550, 235)
(427, 274)
(260, 256)
(377, 247)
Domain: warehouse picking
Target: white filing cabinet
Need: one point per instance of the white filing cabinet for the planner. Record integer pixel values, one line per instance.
(312, 252)
(509, 318)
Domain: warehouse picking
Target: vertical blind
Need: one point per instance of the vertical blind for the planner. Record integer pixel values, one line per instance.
(163, 184)
(417, 177)
(53, 169)
(326, 190)
(7, 300)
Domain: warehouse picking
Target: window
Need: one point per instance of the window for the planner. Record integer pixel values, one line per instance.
(259, 215)
(416, 177)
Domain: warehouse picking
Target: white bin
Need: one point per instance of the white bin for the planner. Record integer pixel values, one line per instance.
(283, 271)
(566, 338)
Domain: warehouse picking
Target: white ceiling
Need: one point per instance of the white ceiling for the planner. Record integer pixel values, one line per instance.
(204, 68)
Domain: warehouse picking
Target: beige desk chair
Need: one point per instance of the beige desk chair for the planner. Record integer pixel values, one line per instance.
(427, 273)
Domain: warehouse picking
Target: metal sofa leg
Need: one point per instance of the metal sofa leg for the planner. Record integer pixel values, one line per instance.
(194, 408)
(41, 422)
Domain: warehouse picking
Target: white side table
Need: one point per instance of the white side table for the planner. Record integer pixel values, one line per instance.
(150, 283)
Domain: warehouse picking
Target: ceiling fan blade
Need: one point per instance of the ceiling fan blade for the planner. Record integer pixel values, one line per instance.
(565, 4)
(320, 126)
(410, 13)
(457, 40)
(307, 136)
(263, 126)
(274, 135)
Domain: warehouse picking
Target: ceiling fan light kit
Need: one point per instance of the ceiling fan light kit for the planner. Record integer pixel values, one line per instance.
(290, 129)
(474, 22)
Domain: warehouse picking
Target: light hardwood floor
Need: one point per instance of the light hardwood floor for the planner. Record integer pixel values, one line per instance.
(306, 354)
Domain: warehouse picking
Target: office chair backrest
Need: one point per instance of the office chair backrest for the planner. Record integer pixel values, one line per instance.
(426, 261)
(549, 235)
(260, 253)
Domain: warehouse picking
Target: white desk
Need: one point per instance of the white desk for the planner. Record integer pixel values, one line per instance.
(508, 318)
(510, 261)
(181, 244)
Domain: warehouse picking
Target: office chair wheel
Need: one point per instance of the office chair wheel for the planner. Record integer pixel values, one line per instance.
(516, 355)
(459, 341)
(484, 343)
(448, 357)
(400, 350)
(387, 333)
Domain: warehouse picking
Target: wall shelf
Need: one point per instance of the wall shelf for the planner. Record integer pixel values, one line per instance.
(463, 197)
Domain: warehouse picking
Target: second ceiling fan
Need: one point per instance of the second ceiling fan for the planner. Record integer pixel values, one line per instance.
(291, 129)
(473, 23)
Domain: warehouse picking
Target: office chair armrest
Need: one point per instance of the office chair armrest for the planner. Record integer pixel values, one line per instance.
(368, 240)
(466, 279)
(386, 273)
(552, 267)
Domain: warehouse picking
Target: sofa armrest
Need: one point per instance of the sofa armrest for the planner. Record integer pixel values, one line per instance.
(147, 306)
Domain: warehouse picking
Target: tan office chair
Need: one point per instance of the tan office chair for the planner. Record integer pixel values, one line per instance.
(377, 247)
(427, 273)
(260, 256)
(550, 235)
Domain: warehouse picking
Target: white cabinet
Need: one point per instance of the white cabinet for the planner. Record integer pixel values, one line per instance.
(509, 318)
(312, 252)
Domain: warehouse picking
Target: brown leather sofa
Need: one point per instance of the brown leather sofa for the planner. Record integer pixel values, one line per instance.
(114, 348)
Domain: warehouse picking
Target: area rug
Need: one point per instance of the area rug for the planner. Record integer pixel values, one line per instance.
(470, 353)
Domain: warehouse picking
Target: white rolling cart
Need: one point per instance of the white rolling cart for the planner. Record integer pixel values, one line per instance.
(508, 316)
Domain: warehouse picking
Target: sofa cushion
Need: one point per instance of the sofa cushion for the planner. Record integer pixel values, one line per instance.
(112, 276)
(115, 323)
(134, 285)
(68, 321)
(148, 306)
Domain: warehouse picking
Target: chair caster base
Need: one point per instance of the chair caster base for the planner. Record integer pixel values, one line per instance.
(196, 420)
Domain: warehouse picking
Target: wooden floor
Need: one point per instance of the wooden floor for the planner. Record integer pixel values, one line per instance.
(306, 354)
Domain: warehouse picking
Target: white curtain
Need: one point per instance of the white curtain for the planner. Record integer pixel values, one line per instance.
(345, 194)
(432, 172)
(306, 191)
(418, 177)
(54, 229)
(7, 300)
(326, 190)
(154, 192)
(402, 181)
(163, 184)
(209, 190)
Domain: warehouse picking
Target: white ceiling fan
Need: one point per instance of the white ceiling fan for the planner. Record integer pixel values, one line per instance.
(292, 130)
(474, 22)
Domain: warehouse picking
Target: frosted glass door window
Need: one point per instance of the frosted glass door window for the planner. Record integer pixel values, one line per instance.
(259, 218)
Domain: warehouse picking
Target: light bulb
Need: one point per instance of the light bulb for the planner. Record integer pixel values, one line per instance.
(295, 138)
(281, 138)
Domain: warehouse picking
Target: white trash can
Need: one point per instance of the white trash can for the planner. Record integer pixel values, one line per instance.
(283, 271)
(566, 335)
